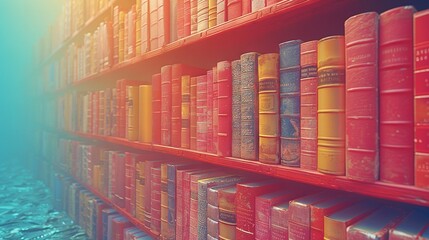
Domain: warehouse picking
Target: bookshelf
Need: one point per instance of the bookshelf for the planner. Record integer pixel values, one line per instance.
(259, 31)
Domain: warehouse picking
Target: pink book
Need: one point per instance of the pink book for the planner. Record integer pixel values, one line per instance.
(224, 82)
(202, 113)
(166, 105)
(156, 108)
(210, 147)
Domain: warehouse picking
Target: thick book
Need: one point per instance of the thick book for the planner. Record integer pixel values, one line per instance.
(308, 158)
(396, 96)
(227, 213)
(361, 43)
(185, 134)
(194, 16)
(130, 184)
(212, 13)
(290, 74)
(213, 210)
(215, 111)
(236, 108)
(263, 206)
(131, 44)
(234, 9)
(224, 85)
(186, 18)
(221, 8)
(145, 113)
(121, 106)
(377, 225)
(166, 97)
(105, 216)
(300, 214)
(336, 224)
(140, 185)
(210, 146)
(163, 22)
(180, 23)
(118, 174)
(202, 113)
(155, 196)
(202, 15)
(413, 226)
(268, 75)
(193, 114)
(173, 24)
(280, 221)
(421, 91)
(148, 189)
(132, 112)
(331, 105)
(249, 135)
(153, 25)
(245, 201)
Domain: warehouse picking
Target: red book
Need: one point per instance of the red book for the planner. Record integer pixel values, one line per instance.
(193, 13)
(215, 111)
(180, 25)
(166, 105)
(280, 221)
(118, 226)
(118, 173)
(224, 82)
(202, 113)
(121, 85)
(145, 24)
(177, 71)
(163, 22)
(396, 96)
(131, 45)
(221, 12)
(130, 183)
(309, 105)
(210, 147)
(245, 201)
(153, 25)
(361, 39)
(99, 226)
(421, 90)
(147, 201)
(155, 196)
(186, 18)
(193, 114)
(156, 108)
(263, 206)
(234, 9)
(246, 6)
(173, 20)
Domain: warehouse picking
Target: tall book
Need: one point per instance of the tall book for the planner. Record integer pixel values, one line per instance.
(290, 73)
(377, 224)
(121, 106)
(185, 113)
(132, 113)
(163, 22)
(308, 158)
(227, 213)
(249, 135)
(224, 85)
(193, 114)
(139, 26)
(140, 185)
(118, 174)
(331, 105)
(194, 16)
(146, 31)
(221, 8)
(268, 74)
(173, 24)
(166, 105)
(361, 42)
(155, 196)
(107, 111)
(180, 24)
(246, 200)
(156, 108)
(148, 202)
(337, 223)
(212, 13)
(186, 18)
(131, 46)
(236, 108)
(202, 15)
(115, 35)
(101, 112)
(215, 110)
(396, 96)
(210, 147)
(145, 113)
(421, 91)
(121, 38)
(411, 227)
(130, 183)
(233, 9)
(153, 25)
(105, 216)
(202, 113)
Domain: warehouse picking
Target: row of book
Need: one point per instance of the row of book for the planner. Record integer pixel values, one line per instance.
(99, 220)
(178, 199)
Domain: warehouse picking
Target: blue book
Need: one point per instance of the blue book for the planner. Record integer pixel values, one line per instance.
(411, 226)
(236, 108)
(105, 218)
(290, 74)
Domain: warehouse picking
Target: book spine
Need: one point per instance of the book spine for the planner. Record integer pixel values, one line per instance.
(246, 7)
(101, 113)
(115, 35)
(163, 22)
(279, 223)
(176, 104)
(330, 109)
(257, 5)
(361, 43)
(132, 32)
(171, 191)
(164, 203)
(309, 105)
(153, 24)
(140, 188)
(290, 74)
(193, 114)
(234, 9)
(155, 196)
(166, 105)
(95, 124)
(202, 113)
(156, 108)
(210, 148)
(421, 90)
(194, 16)
(108, 112)
(221, 8)
(122, 114)
(224, 108)
(249, 135)
(186, 205)
(126, 27)
(212, 229)
(185, 113)
(236, 108)
(145, 113)
(132, 108)
(114, 108)
(138, 32)
(193, 210)
(215, 110)
(179, 204)
(186, 18)
(268, 68)
(227, 215)
(145, 26)
(121, 50)
(180, 26)
(202, 15)
(396, 96)
(212, 13)
(173, 24)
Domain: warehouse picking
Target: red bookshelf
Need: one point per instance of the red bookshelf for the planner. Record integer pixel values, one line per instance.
(395, 192)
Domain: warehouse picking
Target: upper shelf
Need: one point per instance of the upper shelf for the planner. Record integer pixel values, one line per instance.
(401, 193)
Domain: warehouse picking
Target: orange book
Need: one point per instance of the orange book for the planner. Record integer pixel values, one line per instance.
(331, 105)
(145, 113)
(132, 111)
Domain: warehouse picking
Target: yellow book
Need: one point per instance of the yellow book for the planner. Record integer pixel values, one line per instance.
(145, 113)
(212, 13)
(331, 106)
(121, 36)
(138, 26)
(132, 112)
(186, 106)
(140, 190)
(164, 201)
(268, 73)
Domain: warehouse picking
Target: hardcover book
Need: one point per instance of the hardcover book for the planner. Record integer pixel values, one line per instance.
(249, 135)
(202, 15)
(308, 158)
(290, 74)
(146, 31)
(163, 14)
(411, 227)
(132, 112)
(215, 110)
(166, 92)
(227, 213)
(185, 113)
(236, 108)
(224, 83)
(153, 25)
(234, 8)
(268, 73)
(212, 13)
(396, 96)
(280, 221)
(145, 113)
(210, 146)
(193, 115)
(221, 8)
(331, 105)
(361, 43)
(202, 113)
(155, 196)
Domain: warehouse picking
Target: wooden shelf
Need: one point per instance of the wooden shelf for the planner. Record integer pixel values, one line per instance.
(395, 192)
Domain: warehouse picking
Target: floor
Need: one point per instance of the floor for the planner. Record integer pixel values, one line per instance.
(26, 210)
